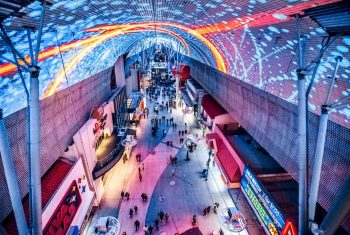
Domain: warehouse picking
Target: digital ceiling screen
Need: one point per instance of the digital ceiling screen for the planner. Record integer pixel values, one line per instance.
(254, 41)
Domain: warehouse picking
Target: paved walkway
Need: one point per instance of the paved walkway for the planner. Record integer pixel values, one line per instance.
(188, 196)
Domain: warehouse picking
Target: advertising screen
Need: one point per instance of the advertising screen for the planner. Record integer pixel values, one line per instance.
(266, 209)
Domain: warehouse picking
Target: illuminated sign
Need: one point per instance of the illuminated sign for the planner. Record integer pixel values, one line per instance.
(63, 216)
(265, 207)
(289, 229)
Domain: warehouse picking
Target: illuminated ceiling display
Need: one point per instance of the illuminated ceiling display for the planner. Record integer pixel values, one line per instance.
(254, 41)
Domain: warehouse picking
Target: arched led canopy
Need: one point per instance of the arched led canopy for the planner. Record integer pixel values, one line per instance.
(252, 40)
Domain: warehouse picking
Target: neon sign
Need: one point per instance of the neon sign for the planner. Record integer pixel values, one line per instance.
(265, 207)
(289, 229)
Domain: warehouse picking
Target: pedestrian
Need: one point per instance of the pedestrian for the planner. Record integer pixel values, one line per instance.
(150, 229)
(161, 216)
(127, 195)
(194, 220)
(156, 222)
(140, 177)
(131, 212)
(208, 209)
(137, 225)
(145, 229)
(122, 194)
(216, 204)
(139, 170)
(175, 160)
(221, 232)
(166, 217)
(124, 233)
(215, 209)
(213, 162)
(204, 211)
(135, 209)
(179, 133)
(143, 166)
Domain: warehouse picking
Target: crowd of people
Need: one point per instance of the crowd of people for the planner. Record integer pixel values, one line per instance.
(162, 123)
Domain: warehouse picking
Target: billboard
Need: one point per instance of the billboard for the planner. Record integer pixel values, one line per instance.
(262, 202)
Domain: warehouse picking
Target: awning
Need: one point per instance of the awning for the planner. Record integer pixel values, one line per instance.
(226, 160)
(50, 182)
(186, 98)
(212, 107)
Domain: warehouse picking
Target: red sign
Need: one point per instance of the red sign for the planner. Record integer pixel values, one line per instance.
(289, 229)
(63, 216)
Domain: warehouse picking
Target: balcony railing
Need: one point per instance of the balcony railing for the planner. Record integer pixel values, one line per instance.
(105, 164)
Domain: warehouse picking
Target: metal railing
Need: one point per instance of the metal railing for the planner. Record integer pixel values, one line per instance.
(103, 165)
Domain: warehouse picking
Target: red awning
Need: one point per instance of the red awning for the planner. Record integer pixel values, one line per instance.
(49, 184)
(211, 107)
(226, 160)
(212, 136)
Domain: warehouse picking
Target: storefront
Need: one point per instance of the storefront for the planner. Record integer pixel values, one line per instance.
(267, 211)
(186, 102)
(67, 199)
(135, 105)
(120, 116)
(210, 109)
(195, 91)
(96, 141)
(225, 160)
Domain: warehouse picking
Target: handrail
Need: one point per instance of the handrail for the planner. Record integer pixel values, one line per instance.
(103, 162)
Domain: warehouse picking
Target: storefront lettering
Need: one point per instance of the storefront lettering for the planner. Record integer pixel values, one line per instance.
(100, 124)
(260, 209)
(250, 182)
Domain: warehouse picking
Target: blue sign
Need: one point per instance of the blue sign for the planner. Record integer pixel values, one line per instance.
(268, 212)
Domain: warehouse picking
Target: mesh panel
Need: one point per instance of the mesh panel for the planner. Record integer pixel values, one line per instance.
(57, 128)
(272, 121)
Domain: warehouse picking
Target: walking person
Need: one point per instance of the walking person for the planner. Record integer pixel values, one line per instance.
(161, 216)
(135, 209)
(139, 170)
(137, 225)
(122, 194)
(215, 209)
(208, 209)
(127, 195)
(156, 222)
(140, 177)
(150, 229)
(194, 220)
(131, 212)
(166, 217)
(145, 229)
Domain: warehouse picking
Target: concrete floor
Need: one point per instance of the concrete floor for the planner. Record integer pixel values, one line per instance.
(190, 194)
